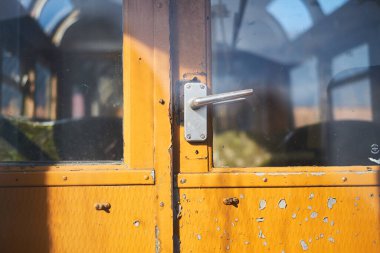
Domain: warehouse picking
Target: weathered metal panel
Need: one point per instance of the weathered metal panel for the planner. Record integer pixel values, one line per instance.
(64, 219)
(309, 219)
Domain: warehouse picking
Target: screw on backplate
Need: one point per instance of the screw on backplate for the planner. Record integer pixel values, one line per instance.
(183, 180)
(202, 86)
(162, 204)
(265, 179)
(203, 136)
(188, 86)
(344, 179)
(161, 101)
(188, 136)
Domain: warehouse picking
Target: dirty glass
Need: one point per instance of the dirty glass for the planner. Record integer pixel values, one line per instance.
(61, 80)
(314, 67)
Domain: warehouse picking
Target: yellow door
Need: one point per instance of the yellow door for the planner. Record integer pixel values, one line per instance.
(295, 166)
(84, 129)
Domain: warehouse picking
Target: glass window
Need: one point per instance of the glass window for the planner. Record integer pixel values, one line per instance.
(315, 72)
(61, 81)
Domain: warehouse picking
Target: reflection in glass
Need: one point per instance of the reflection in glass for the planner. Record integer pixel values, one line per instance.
(315, 70)
(61, 80)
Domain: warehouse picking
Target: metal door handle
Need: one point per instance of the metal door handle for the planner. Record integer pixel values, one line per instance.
(195, 108)
(227, 97)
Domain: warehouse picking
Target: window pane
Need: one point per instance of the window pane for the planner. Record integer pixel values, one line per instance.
(61, 80)
(314, 67)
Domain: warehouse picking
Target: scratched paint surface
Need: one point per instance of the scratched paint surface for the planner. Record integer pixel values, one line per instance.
(328, 219)
(64, 219)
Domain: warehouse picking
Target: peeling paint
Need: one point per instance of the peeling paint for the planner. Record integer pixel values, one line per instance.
(199, 237)
(158, 243)
(304, 245)
(136, 223)
(262, 204)
(331, 239)
(260, 219)
(265, 243)
(294, 215)
(306, 219)
(313, 215)
(318, 173)
(261, 235)
(241, 196)
(311, 196)
(246, 242)
(282, 204)
(321, 235)
(217, 228)
(179, 214)
(310, 207)
(332, 223)
(331, 202)
(326, 220)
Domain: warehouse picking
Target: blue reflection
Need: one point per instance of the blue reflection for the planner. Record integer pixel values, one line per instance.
(329, 6)
(25, 3)
(53, 12)
(293, 16)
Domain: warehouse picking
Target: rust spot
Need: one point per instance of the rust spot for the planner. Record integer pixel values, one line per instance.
(231, 201)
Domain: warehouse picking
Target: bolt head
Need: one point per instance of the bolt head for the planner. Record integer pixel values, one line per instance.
(203, 86)
(203, 136)
(188, 86)
(161, 101)
(183, 180)
(344, 179)
(146, 177)
(188, 136)
(162, 204)
(64, 178)
(265, 179)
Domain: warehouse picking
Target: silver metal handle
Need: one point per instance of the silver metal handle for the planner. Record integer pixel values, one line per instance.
(227, 97)
(195, 108)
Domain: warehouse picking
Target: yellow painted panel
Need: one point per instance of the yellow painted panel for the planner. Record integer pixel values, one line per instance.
(313, 219)
(276, 179)
(63, 219)
(85, 177)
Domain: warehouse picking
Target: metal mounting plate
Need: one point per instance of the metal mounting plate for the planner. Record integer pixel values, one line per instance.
(195, 121)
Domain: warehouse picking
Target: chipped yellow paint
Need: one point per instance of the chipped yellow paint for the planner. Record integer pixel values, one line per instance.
(313, 219)
(78, 178)
(64, 219)
(344, 176)
(59, 215)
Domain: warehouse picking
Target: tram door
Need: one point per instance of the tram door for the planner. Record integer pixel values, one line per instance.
(294, 167)
(84, 92)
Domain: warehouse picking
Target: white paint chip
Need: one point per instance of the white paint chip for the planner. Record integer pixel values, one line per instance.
(313, 215)
(294, 215)
(262, 204)
(326, 220)
(199, 237)
(282, 204)
(331, 202)
(311, 196)
(260, 219)
(304, 245)
(331, 239)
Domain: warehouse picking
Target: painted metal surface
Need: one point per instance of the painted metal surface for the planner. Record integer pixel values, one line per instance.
(64, 219)
(76, 178)
(344, 176)
(309, 219)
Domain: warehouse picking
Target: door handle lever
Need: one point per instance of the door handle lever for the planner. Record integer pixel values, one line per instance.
(221, 98)
(195, 108)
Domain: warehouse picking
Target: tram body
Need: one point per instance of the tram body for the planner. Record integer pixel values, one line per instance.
(102, 148)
